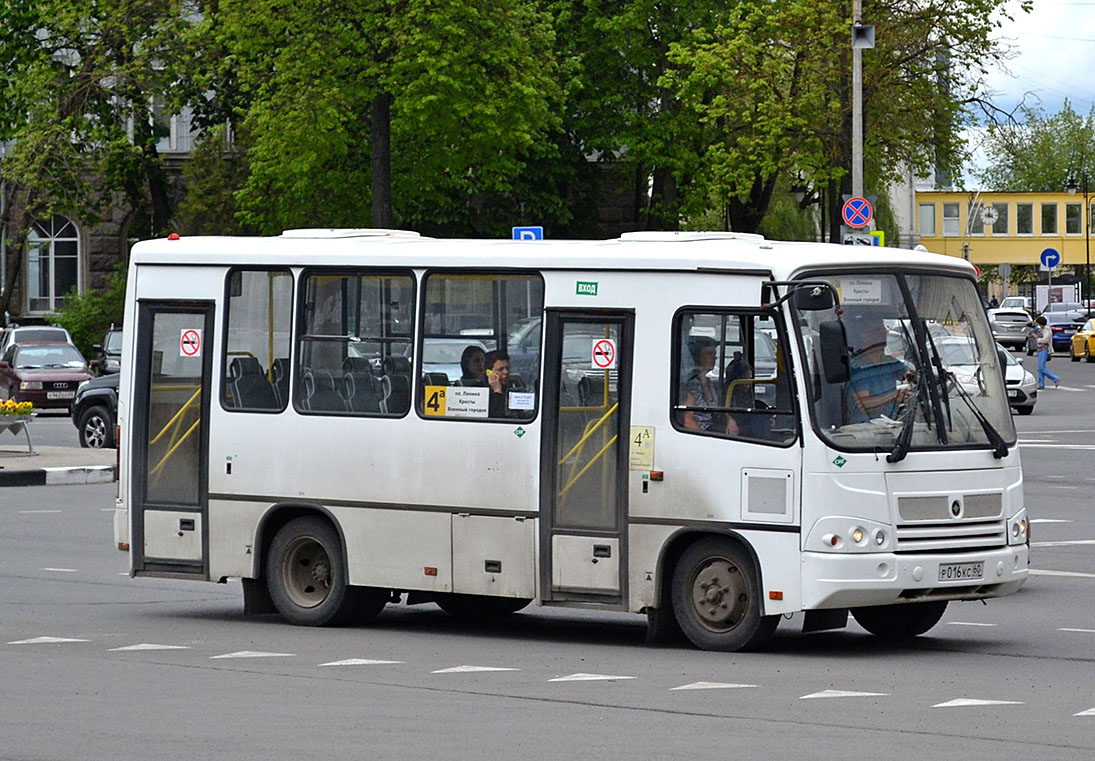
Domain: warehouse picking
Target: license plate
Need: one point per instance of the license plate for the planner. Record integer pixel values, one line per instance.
(60, 394)
(961, 571)
(1013, 393)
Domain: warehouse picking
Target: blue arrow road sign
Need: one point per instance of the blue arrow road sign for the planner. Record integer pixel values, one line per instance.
(1050, 258)
(528, 233)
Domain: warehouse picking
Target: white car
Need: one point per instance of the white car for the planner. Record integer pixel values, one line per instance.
(1022, 387)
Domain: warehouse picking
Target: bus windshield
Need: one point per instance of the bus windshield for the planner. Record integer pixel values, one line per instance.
(923, 369)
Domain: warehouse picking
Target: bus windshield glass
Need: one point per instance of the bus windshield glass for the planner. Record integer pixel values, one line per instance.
(922, 368)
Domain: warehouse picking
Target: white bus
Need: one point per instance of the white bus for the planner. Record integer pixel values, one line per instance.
(711, 428)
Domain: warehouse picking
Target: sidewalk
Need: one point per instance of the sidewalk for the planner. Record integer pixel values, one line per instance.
(50, 466)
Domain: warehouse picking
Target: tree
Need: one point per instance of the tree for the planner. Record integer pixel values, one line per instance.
(405, 113)
(1040, 151)
(81, 108)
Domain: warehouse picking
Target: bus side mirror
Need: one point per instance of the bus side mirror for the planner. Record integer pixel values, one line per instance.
(813, 298)
(834, 351)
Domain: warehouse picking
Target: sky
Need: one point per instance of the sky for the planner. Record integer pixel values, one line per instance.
(1054, 47)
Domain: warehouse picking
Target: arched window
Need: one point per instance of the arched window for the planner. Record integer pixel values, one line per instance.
(53, 263)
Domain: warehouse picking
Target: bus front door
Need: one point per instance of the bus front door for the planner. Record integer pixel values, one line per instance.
(171, 386)
(584, 467)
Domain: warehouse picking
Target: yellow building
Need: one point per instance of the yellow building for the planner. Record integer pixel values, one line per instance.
(1021, 225)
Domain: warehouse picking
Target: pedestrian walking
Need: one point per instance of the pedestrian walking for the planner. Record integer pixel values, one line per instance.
(1045, 344)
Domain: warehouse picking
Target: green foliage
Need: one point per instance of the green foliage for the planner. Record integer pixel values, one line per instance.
(88, 315)
(1042, 152)
(213, 176)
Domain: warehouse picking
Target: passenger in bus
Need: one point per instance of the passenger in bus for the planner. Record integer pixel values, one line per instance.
(473, 367)
(878, 382)
(701, 390)
(497, 364)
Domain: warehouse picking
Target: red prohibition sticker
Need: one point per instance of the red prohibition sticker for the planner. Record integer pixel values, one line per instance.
(604, 353)
(190, 343)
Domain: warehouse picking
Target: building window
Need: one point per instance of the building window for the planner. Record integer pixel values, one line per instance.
(927, 220)
(53, 263)
(1073, 219)
(1024, 219)
(1000, 225)
(950, 219)
(976, 222)
(1049, 219)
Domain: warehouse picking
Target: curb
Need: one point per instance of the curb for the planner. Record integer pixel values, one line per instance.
(83, 474)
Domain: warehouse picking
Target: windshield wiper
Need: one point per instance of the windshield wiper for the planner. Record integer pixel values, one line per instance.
(904, 439)
(999, 446)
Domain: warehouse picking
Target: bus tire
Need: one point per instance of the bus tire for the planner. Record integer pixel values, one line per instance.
(306, 576)
(897, 622)
(716, 597)
(479, 607)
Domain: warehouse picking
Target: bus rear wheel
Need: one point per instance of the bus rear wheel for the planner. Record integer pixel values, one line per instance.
(479, 607)
(306, 575)
(898, 622)
(716, 597)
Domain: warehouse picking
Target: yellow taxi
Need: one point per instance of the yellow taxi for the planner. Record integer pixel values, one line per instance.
(1083, 342)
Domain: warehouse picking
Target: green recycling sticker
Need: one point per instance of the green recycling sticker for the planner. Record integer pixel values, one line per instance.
(519, 432)
(839, 461)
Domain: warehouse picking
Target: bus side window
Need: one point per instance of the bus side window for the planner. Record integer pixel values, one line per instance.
(258, 318)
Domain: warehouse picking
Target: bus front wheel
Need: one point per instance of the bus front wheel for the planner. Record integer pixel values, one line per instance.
(306, 576)
(897, 622)
(716, 597)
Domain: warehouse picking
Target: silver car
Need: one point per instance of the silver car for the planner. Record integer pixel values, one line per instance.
(1010, 327)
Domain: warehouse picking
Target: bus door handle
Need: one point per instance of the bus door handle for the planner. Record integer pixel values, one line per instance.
(186, 524)
(602, 551)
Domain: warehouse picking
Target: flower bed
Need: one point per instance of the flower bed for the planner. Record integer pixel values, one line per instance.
(14, 408)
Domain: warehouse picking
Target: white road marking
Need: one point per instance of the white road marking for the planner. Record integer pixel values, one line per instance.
(1070, 430)
(1084, 447)
(1063, 543)
(471, 669)
(1088, 712)
(1063, 486)
(844, 694)
(710, 686)
(968, 623)
(251, 654)
(1070, 574)
(1082, 631)
(358, 662)
(1038, 441)
(61, 570)
(1049, 520)
(960, 702)
(47, 641)
(589, 678)
(37, 512)
(147, 646)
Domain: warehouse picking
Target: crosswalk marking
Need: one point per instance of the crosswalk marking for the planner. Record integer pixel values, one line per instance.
(711, 686)
(47, 641)
(844, 694)
(962, 702)
(250, 654)
(359, 662)
(147, 646)
(471, 669)
(589, 678)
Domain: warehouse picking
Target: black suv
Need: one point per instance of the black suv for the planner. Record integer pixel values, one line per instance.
(95, 411)
(108, 354)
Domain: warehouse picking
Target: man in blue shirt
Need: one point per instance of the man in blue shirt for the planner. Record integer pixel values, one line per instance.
(877, 384)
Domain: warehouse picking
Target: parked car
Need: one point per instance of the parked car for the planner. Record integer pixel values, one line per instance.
(1066, 310)
(1083, 343)
(33, 334)
(46, 375)
(1063, 329)
(95, 411)
(1017, 302)
(1021, 384)
(109, 353)
(1010, 327)
(960, 356)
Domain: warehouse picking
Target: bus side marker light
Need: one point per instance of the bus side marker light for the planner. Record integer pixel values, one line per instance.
(657, 475)
(430, 570)
(173, 236)
(775, 594)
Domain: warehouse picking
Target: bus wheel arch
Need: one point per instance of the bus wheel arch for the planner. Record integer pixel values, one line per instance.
(304, 566)
(713, 582)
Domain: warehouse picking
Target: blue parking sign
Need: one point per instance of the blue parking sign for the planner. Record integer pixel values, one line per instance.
(528, 233)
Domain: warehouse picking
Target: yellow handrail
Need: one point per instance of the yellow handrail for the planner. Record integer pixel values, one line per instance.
(590, 431)
(176, 416)
(574, 479)
(163, 460)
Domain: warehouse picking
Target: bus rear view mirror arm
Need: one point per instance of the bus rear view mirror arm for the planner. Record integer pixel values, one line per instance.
(809, 295)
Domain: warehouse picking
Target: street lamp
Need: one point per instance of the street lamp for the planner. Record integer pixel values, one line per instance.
(1085, 219)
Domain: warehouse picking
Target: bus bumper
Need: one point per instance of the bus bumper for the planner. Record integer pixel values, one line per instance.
(834, 580)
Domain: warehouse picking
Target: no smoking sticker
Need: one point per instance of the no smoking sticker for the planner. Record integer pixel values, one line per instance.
(190, 342)
(604, 353)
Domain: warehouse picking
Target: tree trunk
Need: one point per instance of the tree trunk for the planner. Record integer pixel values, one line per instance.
(381, 161)
(662, 213)
(746, 215)
(16, 222)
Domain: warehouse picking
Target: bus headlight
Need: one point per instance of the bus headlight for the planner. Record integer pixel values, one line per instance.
(857, 535)
(849, 535)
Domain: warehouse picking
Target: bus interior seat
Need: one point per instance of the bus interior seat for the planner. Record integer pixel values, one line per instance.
(435, 379)
(281, 379)
(397, 372)
(250, 387)
(361, 390)
(320, 394)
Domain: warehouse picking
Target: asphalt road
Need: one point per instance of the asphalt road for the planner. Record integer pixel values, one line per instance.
(159, 669)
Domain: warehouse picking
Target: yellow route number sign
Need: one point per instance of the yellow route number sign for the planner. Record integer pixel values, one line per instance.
(436, 402)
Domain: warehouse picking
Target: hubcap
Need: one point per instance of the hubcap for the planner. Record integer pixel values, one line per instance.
(719, 595)
(306, 570)
(95, 432)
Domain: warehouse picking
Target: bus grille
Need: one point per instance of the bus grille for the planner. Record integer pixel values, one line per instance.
(927, 524)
